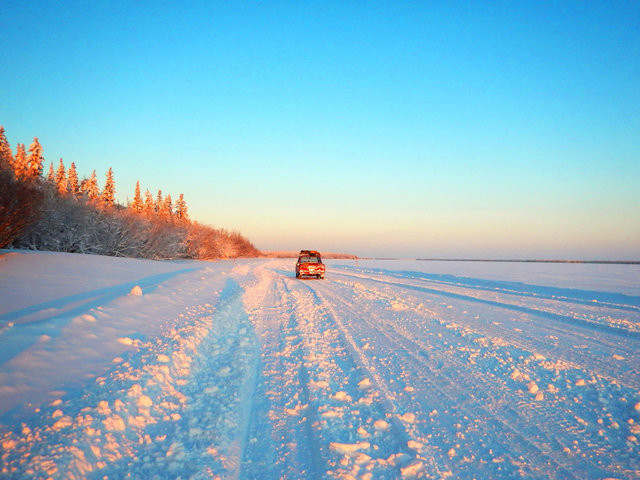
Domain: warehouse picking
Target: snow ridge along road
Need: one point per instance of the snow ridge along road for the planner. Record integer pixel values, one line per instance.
(384, 370)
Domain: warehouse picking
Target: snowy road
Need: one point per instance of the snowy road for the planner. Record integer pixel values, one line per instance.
(383, 370)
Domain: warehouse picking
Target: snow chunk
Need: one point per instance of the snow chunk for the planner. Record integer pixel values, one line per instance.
(85, 318)
(580, 382)
(412, 470)
(8, 444)
(364, 384)
(135, 390)
(533, 388)
(348, 448)
(114, 423)
(163, 358)
(125, 340)
(63, 423)
(408, 417)
(331, 414)
(103, 408)
(342, 396)
(144, 401)
(137, 291)
(319, 384)
(381, 425)
(293, 412)
(398, 306)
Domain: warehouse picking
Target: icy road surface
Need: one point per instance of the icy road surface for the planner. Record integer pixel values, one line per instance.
(384, 370)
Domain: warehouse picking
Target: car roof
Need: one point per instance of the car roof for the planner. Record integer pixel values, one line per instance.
(310, 252)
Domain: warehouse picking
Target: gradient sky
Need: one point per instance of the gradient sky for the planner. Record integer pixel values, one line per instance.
(452, 129)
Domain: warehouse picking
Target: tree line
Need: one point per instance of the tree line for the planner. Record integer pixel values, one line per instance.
(60, 212)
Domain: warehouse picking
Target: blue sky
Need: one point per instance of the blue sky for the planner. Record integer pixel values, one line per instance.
(453, 129)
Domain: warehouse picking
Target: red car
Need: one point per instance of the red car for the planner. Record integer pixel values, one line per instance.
(309, 264)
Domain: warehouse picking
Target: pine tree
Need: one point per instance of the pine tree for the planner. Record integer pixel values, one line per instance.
(35, 159)
(61, 179)
(149, 206)
(6, 156)
(167, 207)
(181, 209)
(20, 165)
(109, 191)
(137, 204)
(51, 177)
(90, 187)
(72, 180)
(159, 202)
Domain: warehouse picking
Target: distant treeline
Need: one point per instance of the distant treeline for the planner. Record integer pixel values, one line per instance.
(327, 255)
(61, 213)
(605, 262)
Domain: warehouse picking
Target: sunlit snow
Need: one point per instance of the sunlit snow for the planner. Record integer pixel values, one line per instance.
(386, 369)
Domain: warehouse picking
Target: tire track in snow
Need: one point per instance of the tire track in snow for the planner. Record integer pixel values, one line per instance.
(174, 407)
(520, 290)
(537, 411)
(626, 346)
(420, 461)
(283, 409)
(574, 321)
(542, 338)
(451, 393)
(354, 424)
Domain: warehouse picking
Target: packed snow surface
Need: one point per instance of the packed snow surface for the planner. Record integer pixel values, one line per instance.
(117, 367)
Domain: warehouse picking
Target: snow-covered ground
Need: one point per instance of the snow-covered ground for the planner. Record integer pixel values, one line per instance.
(386, 369)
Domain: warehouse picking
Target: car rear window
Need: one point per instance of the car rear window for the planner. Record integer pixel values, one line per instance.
(309, 259)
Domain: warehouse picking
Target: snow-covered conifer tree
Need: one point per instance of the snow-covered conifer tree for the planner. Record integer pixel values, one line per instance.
(51, 176)
(20, 165)
(149, 206)
(159, 202)
(108, 196)
(61, 179)
(90, 187)
(181, 208)
(35, 159)
(167, 207)
(137, 204)
(72, 180)
(6, 156)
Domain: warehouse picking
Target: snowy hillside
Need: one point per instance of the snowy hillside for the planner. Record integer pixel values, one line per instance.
(385, 369)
